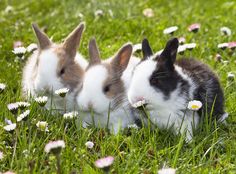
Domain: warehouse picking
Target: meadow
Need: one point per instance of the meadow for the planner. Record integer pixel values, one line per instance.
(213, 148)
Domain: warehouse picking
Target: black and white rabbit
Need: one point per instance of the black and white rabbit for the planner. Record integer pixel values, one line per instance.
(164, 86)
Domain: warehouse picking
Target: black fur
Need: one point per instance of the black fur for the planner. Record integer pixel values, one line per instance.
(208, 91)
(146, 49)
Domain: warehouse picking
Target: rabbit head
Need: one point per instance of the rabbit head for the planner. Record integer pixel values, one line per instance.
(154, 79)
(103, 86)
(56, 65)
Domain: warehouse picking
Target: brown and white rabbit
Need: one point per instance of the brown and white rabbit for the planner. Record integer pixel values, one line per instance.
(54, 66)
(165, 85)
(104, 87)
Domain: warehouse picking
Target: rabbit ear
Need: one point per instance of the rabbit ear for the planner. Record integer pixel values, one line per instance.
(94, 53)
(146, 49)
(43, 40)
(72, 41)
(121, 60)
(169, 53)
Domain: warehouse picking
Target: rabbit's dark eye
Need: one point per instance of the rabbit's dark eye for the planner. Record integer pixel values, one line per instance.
(106, 88)
(62, 71)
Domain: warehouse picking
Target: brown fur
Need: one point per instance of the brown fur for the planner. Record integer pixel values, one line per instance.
(43, 40)
(66, 53)
(115, 82)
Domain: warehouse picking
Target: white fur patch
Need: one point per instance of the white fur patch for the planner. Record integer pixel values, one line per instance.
(188, 79)
(163, 112)
(92, 91)
(140, 87)
(46, 78)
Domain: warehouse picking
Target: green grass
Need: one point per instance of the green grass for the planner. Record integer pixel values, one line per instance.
(213, 150)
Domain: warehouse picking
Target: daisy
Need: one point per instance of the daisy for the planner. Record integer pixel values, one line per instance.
(170, 30)
(13, 108)
(55, 147)
(10, 128)
(167, 171)
(1, 155)
(2, 87)
(89, 144)
(19, 51)
(222, 45)
(137, 47)
(41, 100)
(194, 27)
(17, 44)
(182, 40)
(98, 13)
(70, 115)
(194, 105)
(230, 76)
(139, 103)
(148, 12)
(190, 46)
(62, 92)
(9, 172)
(8, 9)
(8, 121)
(23, 116)
(104, 163)
(181, 49)
(23, 105)
(225, 31)
(32, 47)
(218, 58)
(42, 126)
(133, 126)
(232, 45)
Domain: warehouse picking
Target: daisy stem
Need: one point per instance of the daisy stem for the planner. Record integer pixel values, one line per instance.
(14, 148)
(28, 123)
(58, 163)
(64, 104)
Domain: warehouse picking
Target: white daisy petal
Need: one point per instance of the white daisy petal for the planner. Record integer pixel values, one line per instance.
(10, 127)
(62, 92)
(71, 115)
(32, 47)
(19, 51)
(2, 87)
(148, 12)
(190, 46)
(104, 162)
(23, 105)
(54, 146)
(89, 144)
(42, 126)
(167, 171)
(23, 116)
(222, 45)
(225, 31)
(170, 30)
(1, 155)
(41, 100)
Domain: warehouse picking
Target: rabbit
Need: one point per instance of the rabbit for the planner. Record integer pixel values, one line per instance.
(103, 91)
(54, 66)
(163, 86)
